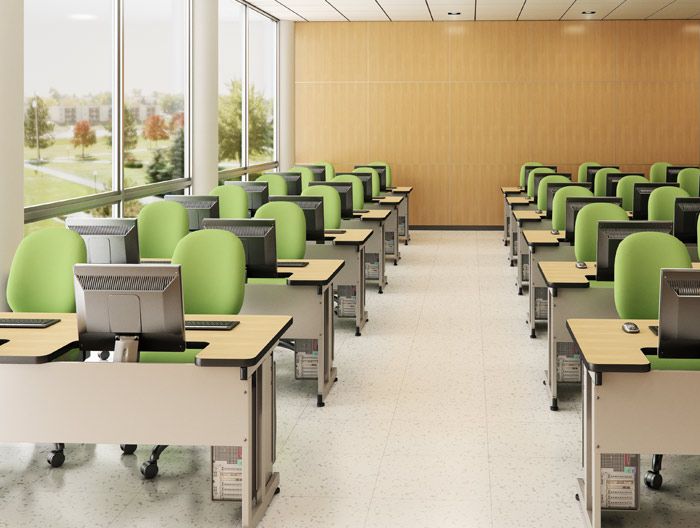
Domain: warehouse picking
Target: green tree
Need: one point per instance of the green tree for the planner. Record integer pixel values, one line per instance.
(37, 126)
(170, 104)
(159, 169)
(261, 128)
(177, 155)
(131, 134)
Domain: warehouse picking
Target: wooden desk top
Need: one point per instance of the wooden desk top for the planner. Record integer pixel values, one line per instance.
(351, 237)
(402, 190)
(318, 272)
(512, 190)
(566, 274)
(529, 216)
(543, 237)
(518, 200)
(389, 200)
(376, 215)
(243, 346)
(605, 347)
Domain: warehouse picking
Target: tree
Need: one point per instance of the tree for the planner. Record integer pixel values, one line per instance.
(177, 122)
(260, 125)
(83, 136)
(177, 155)
(159, 169)
(37, 126)
(131, 134)
(169, 103)
(155, 128)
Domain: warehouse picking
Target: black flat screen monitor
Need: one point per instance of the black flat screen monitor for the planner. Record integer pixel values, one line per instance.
(575, 203)
(590, 171)
(381, 171)
(640, 200)
(552, 188)
(108, 240)
(679, 313)
(530, 168)
(345, 192)
(673, 171)
(198, 207)
(539, 177)
(318, 171)
(612, 179)
(366, 180)
(293, 180)
(258, 193)
(685, 220)
(313, 213)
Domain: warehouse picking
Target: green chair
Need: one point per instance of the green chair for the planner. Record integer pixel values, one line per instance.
(331, 204)
(586, 228)
(583, 170)
(358, 192)
(638, 264)
(233, 201)
(277, 185)
(531, 179)
(389, 179)
(657, 172)
(376, 189)
(689, 180)
(625, 190)
(161, 226)
(523, 181)
(542, 189)
(559, 204)
(290, 228)
(599, 180)
(307, 175)
(330, 170)
(212, 264)
(662, 202)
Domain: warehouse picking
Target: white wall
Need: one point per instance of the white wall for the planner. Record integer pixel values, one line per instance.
(286, 104)
(11, 135)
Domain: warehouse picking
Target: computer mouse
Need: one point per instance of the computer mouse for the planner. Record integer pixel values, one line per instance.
(630, 328)
(554, 231)
(581, 265)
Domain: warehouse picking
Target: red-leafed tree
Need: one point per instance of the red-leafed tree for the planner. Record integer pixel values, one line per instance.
(155, 128)
(83, 136)
(177, 122)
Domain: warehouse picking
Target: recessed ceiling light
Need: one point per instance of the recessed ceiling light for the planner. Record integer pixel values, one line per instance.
(82, 16)
(588, 12)
(454, 13)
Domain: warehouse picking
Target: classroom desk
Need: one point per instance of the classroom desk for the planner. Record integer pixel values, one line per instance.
(628, 408)
(374, 219)
(227, 398)
(349, 285)
(308, 298)
(508, 192)
(516, 203)
(533, 220)
(404, 223)
(391, 232)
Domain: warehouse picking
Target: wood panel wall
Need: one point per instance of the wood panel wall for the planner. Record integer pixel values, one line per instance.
(457, 107)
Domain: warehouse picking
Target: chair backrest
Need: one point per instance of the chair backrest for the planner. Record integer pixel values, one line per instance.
(625, 189)
(662, 202)
(161, 226)
(213, 271)
(523, 180)
(331, 204)
(531, 179)
(233, 201)
(586, 228)
(276, 184)
(307, 175)
(689, 180)
(389, 180)
(376, 184)
(358, 192)
(599, 180)
(639, 260)
(41, 274)
(559, 204)
(330, 169)
(290, 228)
(583, 170)
(657, 172)
(542, 189)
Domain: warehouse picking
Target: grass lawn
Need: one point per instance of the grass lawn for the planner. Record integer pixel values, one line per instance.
(42, 188)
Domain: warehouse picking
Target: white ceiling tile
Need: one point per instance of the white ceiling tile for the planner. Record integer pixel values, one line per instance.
(402, 10)
(277, 10)
(678, 10)
(359, 9)
(441, 8)
(544, 9)
(636, 9)
(599, 8)
(498, 9)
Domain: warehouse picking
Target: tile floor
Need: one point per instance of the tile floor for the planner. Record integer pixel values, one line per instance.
(439, 419)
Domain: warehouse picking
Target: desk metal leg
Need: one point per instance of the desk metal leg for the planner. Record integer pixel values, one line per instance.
(404, 234)
(327, 373)
(506, 221)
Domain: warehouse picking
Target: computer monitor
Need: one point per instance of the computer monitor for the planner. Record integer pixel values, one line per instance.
(258, 193)
(366, 180)
(679, 313)
(313, 213)
(673, 171)
(612, 179)
(575, 203)
(293, 180)
(640, 201)
(530, 168)
(590, 171)
(552, 188)
(539, 177)
(611, 233)
(129, 308)
(198, 207)
(685, 220)
(258, 237)
(108, 240)
(381, 171)
(318, 171)
(345, 191)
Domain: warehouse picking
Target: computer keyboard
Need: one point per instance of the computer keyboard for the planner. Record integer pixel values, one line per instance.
(335, 231)
(27, 323)
(292, 264)
(210, 325)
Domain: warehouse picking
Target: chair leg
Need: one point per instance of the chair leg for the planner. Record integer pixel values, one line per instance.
(149, 469)
(653, 478)
(56, 458)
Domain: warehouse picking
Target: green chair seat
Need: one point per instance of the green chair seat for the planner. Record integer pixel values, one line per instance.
(689, 180)
(658, 363)
(657, 172)
(389, 179)
(559, 204)
(329, 169)
(233, 201)
(277, 185)
(523, 181)
(161, 225)
(269, 280)
(599, 180)
(290, 228)
(603, 285)
(662, 203)
(583, 170)
(542, 189)
(586, 228)
(376, 184)
(307, 175)
(531, 179)
(331, 204)
(625, 190)
(358, 192)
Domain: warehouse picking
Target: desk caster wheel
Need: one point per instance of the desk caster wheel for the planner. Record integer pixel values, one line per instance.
(56, 459)
(149, 470)
(653, 480)
(319, 401)
(128, 449)
(533, 335)
(104, 355)
(381, 290)
(357, 332)
(396, 263)
(520, 291)
(277, 491)
(577, 497)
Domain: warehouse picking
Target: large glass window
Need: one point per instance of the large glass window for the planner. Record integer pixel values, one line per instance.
(262, 87)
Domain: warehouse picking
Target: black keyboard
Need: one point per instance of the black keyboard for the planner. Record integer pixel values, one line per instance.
(361, 211)
(210, 325)
(27, 323)
(335, 231)
(292, 264)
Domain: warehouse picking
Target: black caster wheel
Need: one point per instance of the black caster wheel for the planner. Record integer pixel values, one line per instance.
(555, 405)
(533, 335)
(405, 243)
(520, 291)
(319, 401)
(336, 379)
(357, 332)
(396, 263)
(56, 460)
(277, 491)
(577, 497)
(104, 355)
(381, 290)
(149, 470)
(653, 480)
(128, 449)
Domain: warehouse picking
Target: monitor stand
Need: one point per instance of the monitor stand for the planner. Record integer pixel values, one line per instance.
(126, 349)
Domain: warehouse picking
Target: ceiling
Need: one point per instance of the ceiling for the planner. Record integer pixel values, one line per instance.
(396, 10)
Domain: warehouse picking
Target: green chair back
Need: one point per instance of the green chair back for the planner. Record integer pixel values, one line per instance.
(331, 204)
(523, 181)
(276, 184)
(657, 172)
(531, 179)
(233, 201)
(599, 180)
(639, 260)
(376, 184)
(559, 204)
(689, 180)
(662, 202)
(389, 179)
(625, 190)
(542, 189)
(358, 192)
(583, 170)
(161, 226)
(41, 274)
(586, 228)
(307, 175)
(290, 228)
(330, 170)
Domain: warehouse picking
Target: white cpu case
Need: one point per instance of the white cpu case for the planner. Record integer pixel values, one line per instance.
(372, 266)
(227, 473)
(389, 243)
(306, 358)
(619, 475)
(347, 301)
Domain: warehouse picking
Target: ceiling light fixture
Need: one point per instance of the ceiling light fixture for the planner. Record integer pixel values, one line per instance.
(454, 13)
(588, 12)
